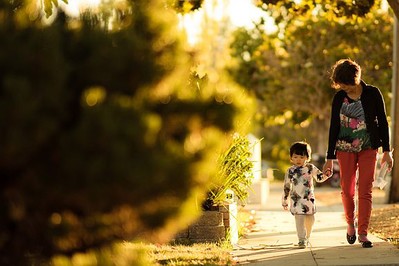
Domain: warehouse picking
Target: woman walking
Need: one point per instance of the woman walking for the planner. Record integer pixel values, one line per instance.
(358, 128)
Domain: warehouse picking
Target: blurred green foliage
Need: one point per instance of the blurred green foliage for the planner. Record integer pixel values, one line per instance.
(49, 5)
(337, 8)
(106, 132)
(334, 8)
(185, 6)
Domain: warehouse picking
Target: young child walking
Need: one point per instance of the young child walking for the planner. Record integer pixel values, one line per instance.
(299, 188)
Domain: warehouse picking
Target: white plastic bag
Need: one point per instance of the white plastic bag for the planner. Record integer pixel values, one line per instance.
(380, 181)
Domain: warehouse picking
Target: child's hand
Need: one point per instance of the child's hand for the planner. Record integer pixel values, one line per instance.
(328, 172)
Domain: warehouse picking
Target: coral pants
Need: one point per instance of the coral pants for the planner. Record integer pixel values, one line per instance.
(364, 162)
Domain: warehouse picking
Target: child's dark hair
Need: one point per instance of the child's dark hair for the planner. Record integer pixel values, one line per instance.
(301, 148)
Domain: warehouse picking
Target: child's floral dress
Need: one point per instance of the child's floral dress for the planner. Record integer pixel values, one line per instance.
(299, 188)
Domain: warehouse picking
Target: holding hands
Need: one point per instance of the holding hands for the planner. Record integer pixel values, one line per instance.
(327, 168)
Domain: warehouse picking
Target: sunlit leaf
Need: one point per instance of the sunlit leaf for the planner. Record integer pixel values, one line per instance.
(48, 6)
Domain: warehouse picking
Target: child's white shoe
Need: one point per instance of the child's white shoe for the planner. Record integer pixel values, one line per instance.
(302, 244)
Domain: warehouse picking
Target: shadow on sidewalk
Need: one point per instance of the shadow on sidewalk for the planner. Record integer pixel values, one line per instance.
(382, 254)
(273, 238)
(272, 234)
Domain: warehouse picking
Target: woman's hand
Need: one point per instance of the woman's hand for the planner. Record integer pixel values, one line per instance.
(327, 168)
(387, 158)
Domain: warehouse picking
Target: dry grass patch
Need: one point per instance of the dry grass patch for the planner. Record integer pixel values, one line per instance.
(384, 223)
(144, 254)
(196, 254)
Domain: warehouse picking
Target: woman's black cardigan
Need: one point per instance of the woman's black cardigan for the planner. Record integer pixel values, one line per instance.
(376, 120)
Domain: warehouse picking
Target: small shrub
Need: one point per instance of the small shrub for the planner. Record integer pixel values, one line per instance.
(234, 174)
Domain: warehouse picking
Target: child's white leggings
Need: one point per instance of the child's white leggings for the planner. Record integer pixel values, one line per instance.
(304, 225)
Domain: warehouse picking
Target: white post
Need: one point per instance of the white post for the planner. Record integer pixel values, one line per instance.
(259, 192)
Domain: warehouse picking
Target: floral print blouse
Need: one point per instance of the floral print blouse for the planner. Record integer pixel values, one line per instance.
(299, 188)
(353, 136)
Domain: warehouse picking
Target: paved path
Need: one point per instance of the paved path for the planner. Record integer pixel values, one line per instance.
(273, 240)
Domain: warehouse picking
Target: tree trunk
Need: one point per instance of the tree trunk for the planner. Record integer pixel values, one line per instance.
(394, 188)
(394, 4)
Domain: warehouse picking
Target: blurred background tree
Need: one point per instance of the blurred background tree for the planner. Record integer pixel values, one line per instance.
(335, 8)
(108, 133)
(287, 69)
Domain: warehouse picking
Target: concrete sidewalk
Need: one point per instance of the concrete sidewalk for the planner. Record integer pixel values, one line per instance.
(273, 239)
